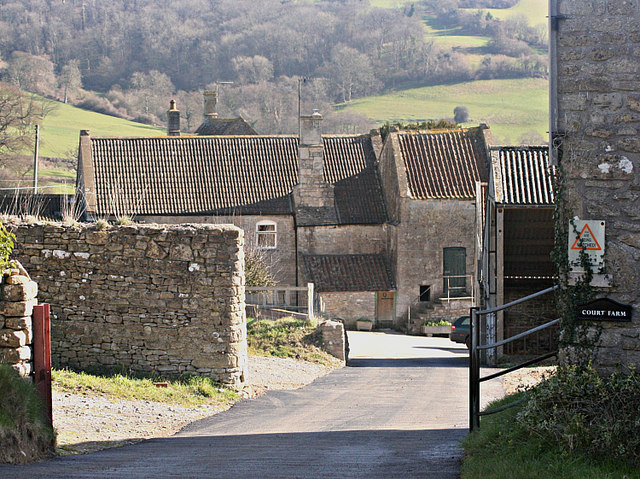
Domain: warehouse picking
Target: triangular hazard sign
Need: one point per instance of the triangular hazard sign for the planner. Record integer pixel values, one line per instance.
(589, 240)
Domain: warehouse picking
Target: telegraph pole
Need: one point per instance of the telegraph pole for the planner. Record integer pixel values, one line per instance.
(35, 161)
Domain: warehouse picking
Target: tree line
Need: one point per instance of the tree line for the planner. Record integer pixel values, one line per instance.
(129, 57)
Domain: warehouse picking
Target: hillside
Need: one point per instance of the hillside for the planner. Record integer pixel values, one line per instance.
(60, 131)
(512, 108)
(59, 136)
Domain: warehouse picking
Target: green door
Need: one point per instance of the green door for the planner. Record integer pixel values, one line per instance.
(455, 270)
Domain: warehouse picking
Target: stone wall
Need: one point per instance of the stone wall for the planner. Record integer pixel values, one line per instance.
(281, 259)
(334, 338)
(350, 306)
(152, 299)
(17, 299)
(599, 111)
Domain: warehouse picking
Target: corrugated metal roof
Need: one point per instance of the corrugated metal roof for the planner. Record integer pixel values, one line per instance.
(443, 164)
(523, 176)
(349, 272)
(221, 174)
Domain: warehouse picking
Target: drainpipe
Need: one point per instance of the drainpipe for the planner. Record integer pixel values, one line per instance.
(555, 136)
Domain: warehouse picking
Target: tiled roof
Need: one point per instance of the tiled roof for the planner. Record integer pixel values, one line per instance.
(358, 193)
(523, 176)
(443, 164)
(349, 272)
(228, 174)
(225, 126)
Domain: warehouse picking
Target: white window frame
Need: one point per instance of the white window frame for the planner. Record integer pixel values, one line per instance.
(268, 233)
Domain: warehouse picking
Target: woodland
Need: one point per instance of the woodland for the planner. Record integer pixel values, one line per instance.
(128, 58)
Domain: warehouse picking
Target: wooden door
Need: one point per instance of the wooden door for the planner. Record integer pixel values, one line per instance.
(385, 307)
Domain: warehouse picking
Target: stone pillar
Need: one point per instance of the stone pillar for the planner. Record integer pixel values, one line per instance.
(334, 339)
(18, 297)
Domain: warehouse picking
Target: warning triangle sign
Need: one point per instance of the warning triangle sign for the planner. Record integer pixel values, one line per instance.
(589, 240)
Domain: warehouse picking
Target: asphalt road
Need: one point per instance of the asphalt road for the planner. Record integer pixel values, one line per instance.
(398, 411)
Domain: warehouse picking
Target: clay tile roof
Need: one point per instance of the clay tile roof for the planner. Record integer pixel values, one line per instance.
(349, 164)
(523, 176)
(443, 164)
(225, 126)
(191, 175)
(229, 175)
(349, 272)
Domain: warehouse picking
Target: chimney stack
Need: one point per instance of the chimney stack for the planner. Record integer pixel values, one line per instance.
(210, 103)
(173, 120)
(313, 196)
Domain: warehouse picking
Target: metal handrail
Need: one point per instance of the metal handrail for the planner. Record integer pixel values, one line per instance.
(474, 356)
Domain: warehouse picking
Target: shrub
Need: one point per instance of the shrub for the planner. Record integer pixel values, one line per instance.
(24, 434)
(582, 411)
(437, 322)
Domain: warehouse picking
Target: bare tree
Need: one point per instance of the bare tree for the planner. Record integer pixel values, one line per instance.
(18, 116)
(70, 79)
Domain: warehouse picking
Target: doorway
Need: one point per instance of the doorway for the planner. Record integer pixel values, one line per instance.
(454, 281)
(385, 308)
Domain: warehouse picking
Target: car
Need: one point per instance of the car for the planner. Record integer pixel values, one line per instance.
(460, 331)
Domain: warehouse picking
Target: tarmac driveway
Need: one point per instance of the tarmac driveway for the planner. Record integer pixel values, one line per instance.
(398, 411)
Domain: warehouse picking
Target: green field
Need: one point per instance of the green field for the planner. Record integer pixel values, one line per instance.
(60, 131)
(534, 10)
(511, 108)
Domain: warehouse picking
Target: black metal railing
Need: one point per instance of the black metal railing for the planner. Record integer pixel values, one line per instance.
(474, 357)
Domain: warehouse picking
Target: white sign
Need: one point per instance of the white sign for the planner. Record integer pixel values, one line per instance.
(587, 236)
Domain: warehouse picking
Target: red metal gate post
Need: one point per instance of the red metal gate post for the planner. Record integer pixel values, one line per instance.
(42, 356)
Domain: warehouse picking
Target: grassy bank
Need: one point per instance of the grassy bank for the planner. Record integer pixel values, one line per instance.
(575, 425)
(24, 435)
(190, 392)
(287, 338)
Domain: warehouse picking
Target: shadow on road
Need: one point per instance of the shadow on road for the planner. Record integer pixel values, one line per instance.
(449, 350)
(456, 362)
(357, 454)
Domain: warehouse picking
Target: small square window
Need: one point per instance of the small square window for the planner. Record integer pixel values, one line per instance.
(266, 232)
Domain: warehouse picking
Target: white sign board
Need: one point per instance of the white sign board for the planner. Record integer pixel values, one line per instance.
(587, 235)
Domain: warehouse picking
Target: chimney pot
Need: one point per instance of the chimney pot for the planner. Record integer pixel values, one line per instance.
(210, 103)
(310, 129)
(173, 120)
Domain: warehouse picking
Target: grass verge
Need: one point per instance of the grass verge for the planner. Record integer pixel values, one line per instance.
(24, 434)
(287, 338)
(190, 392)
(502, 449)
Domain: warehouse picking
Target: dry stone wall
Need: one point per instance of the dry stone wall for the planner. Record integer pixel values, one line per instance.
(599, 112)
(165, 300)
(17, 299)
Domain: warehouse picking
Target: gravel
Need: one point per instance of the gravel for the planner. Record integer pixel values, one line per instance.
(91, 422)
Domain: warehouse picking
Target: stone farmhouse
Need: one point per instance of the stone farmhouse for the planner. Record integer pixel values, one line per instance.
(384, 231)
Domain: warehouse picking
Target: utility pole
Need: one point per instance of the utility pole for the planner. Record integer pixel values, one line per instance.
(35, 161)
(301, 80)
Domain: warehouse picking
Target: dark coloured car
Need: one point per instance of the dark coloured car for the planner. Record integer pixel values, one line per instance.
(460, 331)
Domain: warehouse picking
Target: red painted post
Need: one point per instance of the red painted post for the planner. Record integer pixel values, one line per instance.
(42, 356)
